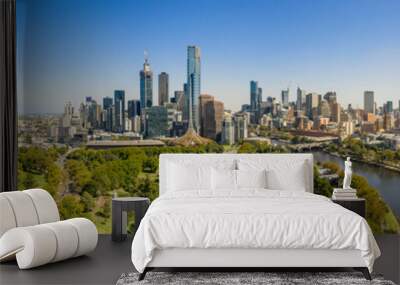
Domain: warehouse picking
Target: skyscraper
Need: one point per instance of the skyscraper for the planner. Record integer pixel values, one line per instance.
(301, 94)
(163, 86)
(192, 91)
(107, 102)
(213, 122)
(156, 123)
(134, 108)
(253, 95)
(285, 98)
(146, 85)
(211, 116)
(203, 99)
(179, 100)
(228, 135)
(311, 103)
(119, 111)
(369, 102)
(388, 107)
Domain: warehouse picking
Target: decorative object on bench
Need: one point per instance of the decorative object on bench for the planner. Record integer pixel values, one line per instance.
(357, 205)
(120, 208)
(200, 222)
(346, 192)
(31, 230)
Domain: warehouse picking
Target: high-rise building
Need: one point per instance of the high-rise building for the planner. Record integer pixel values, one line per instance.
(163, 88)
(119, 111)
(212, 120)
(156, 122)
(203, 99)
(330, 97)
(335, 112)
(240, 123)
(179, 100)
(192, 91)
(107, 102)
(134, 108)
(253, 95)
(311, 103)
(285, 98)
(301, 99)
(146, 85)
(388, 107)
(369, 102)
(228, 135)
(324, 109)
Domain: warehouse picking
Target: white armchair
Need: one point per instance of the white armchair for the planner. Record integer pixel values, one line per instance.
(31, 230)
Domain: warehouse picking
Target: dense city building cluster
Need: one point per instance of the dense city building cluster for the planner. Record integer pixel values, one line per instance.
(309, 114)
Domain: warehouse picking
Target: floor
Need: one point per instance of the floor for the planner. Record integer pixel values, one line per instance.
(110, 260)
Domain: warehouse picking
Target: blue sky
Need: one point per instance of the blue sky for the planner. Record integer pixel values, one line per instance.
(69, 49)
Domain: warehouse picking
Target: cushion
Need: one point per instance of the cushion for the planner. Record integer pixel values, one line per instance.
(188, 177)
(251, 178)
(293, 178)
(224, 179)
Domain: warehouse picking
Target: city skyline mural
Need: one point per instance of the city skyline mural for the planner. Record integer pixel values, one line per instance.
(104, 87)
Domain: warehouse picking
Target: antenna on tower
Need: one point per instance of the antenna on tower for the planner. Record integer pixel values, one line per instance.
(146, 56)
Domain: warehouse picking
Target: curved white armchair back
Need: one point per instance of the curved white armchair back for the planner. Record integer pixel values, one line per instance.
(26, 208)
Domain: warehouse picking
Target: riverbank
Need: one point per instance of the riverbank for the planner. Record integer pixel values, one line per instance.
(384, 180)
(389, 167)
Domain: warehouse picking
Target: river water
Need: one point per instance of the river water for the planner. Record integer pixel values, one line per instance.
(386, 181)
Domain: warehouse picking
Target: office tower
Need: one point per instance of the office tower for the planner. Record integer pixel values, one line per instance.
(109, 118)
(311, 104)
(192, 91)
(253, 95)
(330, 97)
(388, 121)
(173, 114)
(285, 98)
(228, 135)
(146, 85)
(369, 102)
(134, 108)
(156, 122)
(107, 102)
(163, 87)
(240, 123)
(203, 99)
(388, 107)
(324, 109)
(179, 100)
(301, 99)
(119, 111)
(212, 120)
(186, 107)
(335, 112)
(259, 97)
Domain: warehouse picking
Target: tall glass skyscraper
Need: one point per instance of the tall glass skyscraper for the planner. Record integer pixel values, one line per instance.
(253, 95)
(369, 102)
(119, 112)
(146, 85)
(193, 86)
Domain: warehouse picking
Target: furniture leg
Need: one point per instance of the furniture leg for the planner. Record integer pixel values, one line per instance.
(364, 271)
(143, 274)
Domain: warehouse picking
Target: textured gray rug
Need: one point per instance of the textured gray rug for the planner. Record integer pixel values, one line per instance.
(228, 278)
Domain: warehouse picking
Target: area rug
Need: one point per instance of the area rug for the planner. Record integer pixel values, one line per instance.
(269, 278)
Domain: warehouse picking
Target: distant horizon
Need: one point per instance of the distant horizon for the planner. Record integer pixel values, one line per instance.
(319, 46)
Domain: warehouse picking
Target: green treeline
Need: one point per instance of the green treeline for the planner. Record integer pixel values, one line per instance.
(83, 181)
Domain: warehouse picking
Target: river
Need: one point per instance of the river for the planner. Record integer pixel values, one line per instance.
(386, 181)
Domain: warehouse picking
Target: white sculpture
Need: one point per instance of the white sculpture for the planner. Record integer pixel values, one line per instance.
(347, 174)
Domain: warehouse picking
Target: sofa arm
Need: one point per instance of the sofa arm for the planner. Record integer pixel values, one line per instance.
(37, 245)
